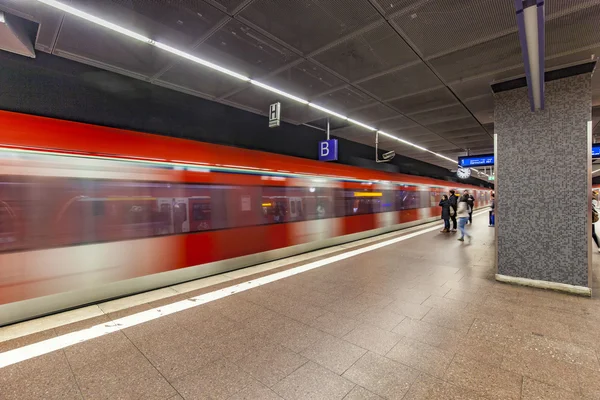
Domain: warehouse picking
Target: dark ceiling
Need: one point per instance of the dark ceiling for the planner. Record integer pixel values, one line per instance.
(420, 69)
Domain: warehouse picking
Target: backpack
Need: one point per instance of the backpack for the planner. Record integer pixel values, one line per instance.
(594, 216)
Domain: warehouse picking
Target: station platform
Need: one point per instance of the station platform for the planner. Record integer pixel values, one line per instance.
(409, 315)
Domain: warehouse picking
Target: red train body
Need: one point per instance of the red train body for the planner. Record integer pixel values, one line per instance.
(84, 208)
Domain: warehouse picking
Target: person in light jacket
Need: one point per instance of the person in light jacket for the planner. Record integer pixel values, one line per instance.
(462, 213)
(445, 204)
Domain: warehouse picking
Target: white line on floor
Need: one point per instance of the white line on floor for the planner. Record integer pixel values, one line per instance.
(60, 342)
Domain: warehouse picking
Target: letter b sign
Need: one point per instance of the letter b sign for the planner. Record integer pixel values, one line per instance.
(328, 150)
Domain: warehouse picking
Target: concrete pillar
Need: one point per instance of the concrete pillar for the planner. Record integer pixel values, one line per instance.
(543, 186)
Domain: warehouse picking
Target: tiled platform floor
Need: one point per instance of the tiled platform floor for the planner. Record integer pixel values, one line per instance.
(421, 319)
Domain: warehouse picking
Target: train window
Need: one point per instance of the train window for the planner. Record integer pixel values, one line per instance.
(98, 208)
(201, 211)
(293, 207)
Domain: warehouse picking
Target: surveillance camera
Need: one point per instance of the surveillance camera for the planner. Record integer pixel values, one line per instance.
(389, 155)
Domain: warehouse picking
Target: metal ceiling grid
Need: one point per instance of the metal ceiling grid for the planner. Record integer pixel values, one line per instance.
(252, 53)
(308, 25)
(459, 123)
(177, 23)
(440, 114)
(481, 59)
(581, 27)
(443, 26)
(389, 7)
(402, 82)
(110, 51)
(368, 53)
(430, 100)
(392, 124)
(482, 108)
(305, 79)
(187, 77)
(347, 98)
(229, 6)
(374, 113)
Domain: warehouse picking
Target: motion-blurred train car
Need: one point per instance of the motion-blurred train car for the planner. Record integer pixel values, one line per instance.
(89, 213)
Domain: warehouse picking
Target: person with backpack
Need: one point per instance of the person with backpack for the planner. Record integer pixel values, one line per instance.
(452, 202)
(595, 218)
(444, 203)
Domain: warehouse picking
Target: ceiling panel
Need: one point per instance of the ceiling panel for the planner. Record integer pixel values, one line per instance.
(442, 25)
(368, 53)
(432, 99)
(344, 99)
(178, 23)
(409, 80)
(481, 59)
(441, 114)
(110, 50)
(572, 31)
(309, 24)
(461, 123)
(395, 123)
(228, 6)
(395, 6)
(482, 108)
(373, 113)
(305, 79)
(190, 76)
(244, 50)
(49, 20)
(464, 133)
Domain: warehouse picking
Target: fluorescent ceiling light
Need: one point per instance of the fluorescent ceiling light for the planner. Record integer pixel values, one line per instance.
(96, 20)
(2, 17)
(99, 21)
(274, 90)
(355, 122)
(199, 60)
(328, 111)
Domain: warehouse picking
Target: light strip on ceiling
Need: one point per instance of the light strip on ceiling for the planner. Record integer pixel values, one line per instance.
(328, 111)
(281, 92)
(99, 21)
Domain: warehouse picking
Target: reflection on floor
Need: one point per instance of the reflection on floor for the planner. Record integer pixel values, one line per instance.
(420, 319)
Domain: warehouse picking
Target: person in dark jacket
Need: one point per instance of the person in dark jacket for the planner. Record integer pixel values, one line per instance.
(471, 204)
(445, 213)
(493, 211)
(453, 202)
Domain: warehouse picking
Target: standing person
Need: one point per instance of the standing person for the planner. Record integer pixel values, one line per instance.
(493, 211)
(445, 213)
(463, 216)
(595, 217)
(471, 203)
(452, 201)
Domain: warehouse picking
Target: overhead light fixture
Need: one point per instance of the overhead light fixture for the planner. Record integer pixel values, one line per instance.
(281, 92)
(531, 24)
(355, 122)
(180, 53)
(328, 111)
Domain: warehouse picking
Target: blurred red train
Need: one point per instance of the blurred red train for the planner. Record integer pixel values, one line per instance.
(89, 213)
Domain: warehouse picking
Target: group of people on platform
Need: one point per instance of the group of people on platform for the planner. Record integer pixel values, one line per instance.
(459, 210)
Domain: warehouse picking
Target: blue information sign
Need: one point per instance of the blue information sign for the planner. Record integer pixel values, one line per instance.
(328, 150)
(596, 150)
(483, 160)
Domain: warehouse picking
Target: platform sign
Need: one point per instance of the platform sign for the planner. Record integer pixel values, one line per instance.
(274, 115)
(596, 150)
(328, 150)
(483, 160)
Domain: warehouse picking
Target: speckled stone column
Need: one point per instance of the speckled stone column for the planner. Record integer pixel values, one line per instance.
(543, 185)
